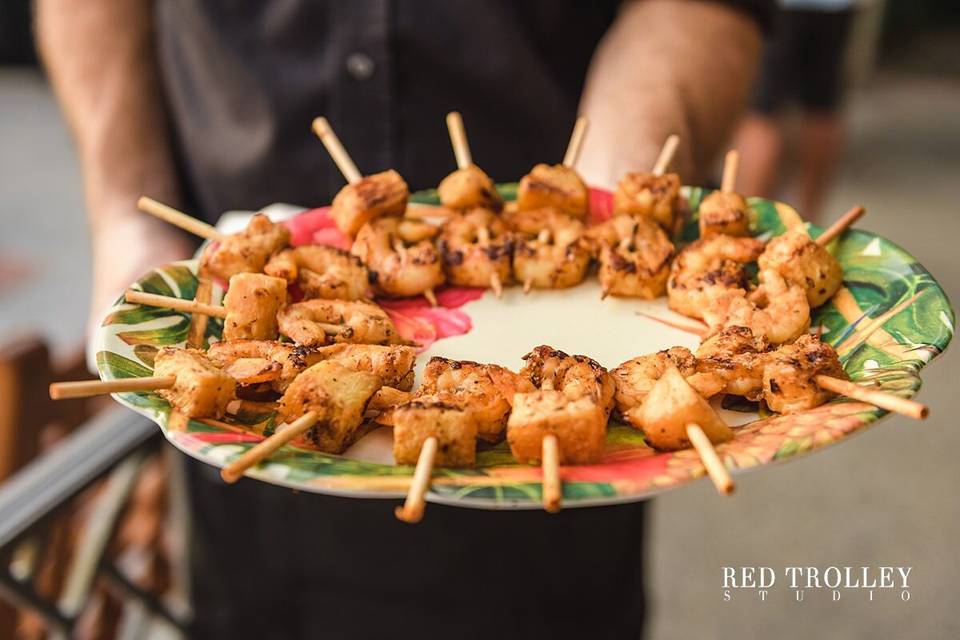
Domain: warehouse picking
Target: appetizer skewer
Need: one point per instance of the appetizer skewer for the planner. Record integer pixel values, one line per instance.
(559, 186)
(653, 195)
(468, 186)
(364, 199)
(725, 211)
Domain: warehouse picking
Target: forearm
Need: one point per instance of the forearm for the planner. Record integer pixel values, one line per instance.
(666, 66)
(100, 58)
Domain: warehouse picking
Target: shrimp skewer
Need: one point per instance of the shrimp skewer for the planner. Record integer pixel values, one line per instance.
(725, 211)
(364, 199)
(313, 322)
(634, 257)
(806, 262)
(186, 378)
(249, 309)
(558, 186)
(468, 186)
(653, 195)
(244, 252)
(563, 419)
(321, 272)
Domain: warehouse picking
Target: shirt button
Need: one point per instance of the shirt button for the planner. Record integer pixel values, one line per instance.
(360, 66)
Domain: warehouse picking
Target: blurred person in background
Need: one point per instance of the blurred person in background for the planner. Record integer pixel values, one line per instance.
(207, 105)
(803, 65)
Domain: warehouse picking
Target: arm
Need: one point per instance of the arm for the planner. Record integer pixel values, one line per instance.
(100, 59)
(666, 66)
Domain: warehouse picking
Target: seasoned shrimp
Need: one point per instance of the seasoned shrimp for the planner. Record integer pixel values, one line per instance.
(557, 187)
(476, 249)
(736, 357)
(318, 322)
(636, 377)
(638, 263)
(397, 269)
(789, 378)
(648, 195)
(705, 268)
(472, 387)
(257, 361)
(248, 250)
(393, 364)
(468, 188)
(724, 213)
(802, 261)
(575, 376)
(379, 195)
(550, 251)
(775, 310)
(321, 272)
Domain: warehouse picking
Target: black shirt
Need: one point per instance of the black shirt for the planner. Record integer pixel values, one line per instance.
(243, 82)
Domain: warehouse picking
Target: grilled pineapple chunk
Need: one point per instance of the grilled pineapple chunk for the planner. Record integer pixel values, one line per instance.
(339, 396)
(201, 390)
(423, 417)
(580, 426)
(554, 186)
(253, 301)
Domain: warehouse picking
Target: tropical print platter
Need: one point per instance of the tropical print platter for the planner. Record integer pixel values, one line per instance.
(889, 320)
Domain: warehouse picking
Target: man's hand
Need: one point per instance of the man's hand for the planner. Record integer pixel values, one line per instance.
(666, 66)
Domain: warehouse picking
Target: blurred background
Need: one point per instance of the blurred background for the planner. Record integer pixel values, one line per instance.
(887, 499)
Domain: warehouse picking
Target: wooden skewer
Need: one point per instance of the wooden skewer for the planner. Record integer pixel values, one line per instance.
(731, 164)
(550, 462)
(576, 142)
(711, 461)
(412, 509)
(483, 238)
(234, 471)
(666, 154)
(179, 219)
(167, 302)
(458, 137)
(334, 147)
(431, 297)
(841, 225)
(876, 397)
(544, 236)
(192, 306)
(87, 388)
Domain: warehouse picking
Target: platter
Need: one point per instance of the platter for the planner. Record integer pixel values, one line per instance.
(888, 320)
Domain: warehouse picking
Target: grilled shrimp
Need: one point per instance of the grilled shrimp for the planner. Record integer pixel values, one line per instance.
(637, 264)
(468, 188)
(705, 268)
(634, 378)
(379, 195)
(775, 310)
(321, 272)
(550, 250)
(476, 249)
(401, 259)
(557, 187)
(472, 387)
(257, 361)
(313, 323)
(248, 250)
(789, 378)
(736, 357)
(802, 261)
(574, 376)
(393, 364)
(725, 213)
(653, 197)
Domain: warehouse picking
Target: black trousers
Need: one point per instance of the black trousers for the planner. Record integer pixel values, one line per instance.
(270, 563)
